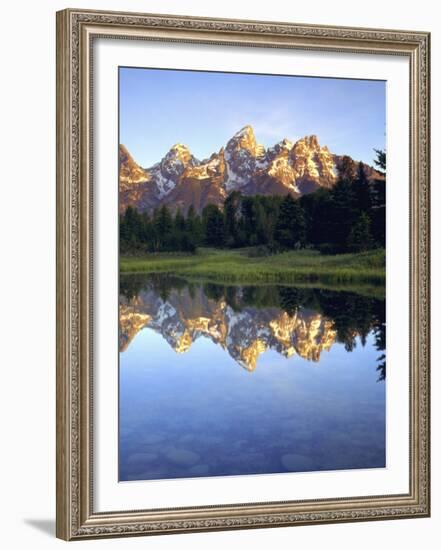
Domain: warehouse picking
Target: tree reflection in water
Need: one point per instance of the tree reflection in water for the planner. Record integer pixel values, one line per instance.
(352, 316)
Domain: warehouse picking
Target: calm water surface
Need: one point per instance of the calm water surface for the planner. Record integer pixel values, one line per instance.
(229, 381)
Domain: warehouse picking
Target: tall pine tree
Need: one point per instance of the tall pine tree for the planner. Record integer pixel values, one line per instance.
(290, 227)
(362, 191)
(214, 227)
(341, 214)
(231, 213)
(360, 237)
(163, 224)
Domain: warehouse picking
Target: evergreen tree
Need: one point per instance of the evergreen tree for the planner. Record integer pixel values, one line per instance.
(133, 223)
(231, 213)
(214, 227)
(272, 207)
(146, 228)
(131, 229)
(123, 229)
(290, 228)
(191, 215)
(163, 224)
(341, 214)
(174, 241)
(378, 212)
(380, 161)
(179, 222)
(360, 237)
(316, 207)
(262, 226)
(248, 221)
(362, 192)
(348, 216)
(193, 226)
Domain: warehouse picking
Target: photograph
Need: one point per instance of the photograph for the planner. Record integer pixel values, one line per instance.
(252, 274)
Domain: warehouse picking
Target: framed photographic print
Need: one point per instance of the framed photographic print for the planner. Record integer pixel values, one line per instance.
(242, 274)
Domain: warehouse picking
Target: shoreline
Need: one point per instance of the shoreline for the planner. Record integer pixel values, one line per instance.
(305, 267)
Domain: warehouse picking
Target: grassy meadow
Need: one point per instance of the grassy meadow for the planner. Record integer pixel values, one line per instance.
(363, 271)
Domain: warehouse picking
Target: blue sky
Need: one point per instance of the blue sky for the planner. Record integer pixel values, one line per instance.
(159, 108)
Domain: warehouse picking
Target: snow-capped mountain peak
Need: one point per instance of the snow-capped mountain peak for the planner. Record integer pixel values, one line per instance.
(179, 179)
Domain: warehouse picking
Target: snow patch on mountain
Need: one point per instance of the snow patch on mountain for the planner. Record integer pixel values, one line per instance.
(244, 165)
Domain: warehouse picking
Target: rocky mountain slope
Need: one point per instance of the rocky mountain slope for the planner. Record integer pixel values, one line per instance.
(180, 180)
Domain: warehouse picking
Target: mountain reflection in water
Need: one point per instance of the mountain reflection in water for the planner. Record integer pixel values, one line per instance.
(180, 400)
(246, 321)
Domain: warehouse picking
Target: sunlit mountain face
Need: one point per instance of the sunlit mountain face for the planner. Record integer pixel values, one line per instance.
(180, 180)
(248, 321)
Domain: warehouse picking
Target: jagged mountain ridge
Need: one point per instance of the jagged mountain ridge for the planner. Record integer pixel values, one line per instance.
(180, 180)
(244, 334)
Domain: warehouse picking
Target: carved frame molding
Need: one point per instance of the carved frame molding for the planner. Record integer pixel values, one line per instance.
(76, 30)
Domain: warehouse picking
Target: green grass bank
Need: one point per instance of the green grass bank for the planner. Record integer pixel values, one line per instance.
(242, 266)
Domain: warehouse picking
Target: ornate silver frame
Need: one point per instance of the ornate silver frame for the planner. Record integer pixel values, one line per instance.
(76, 30)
